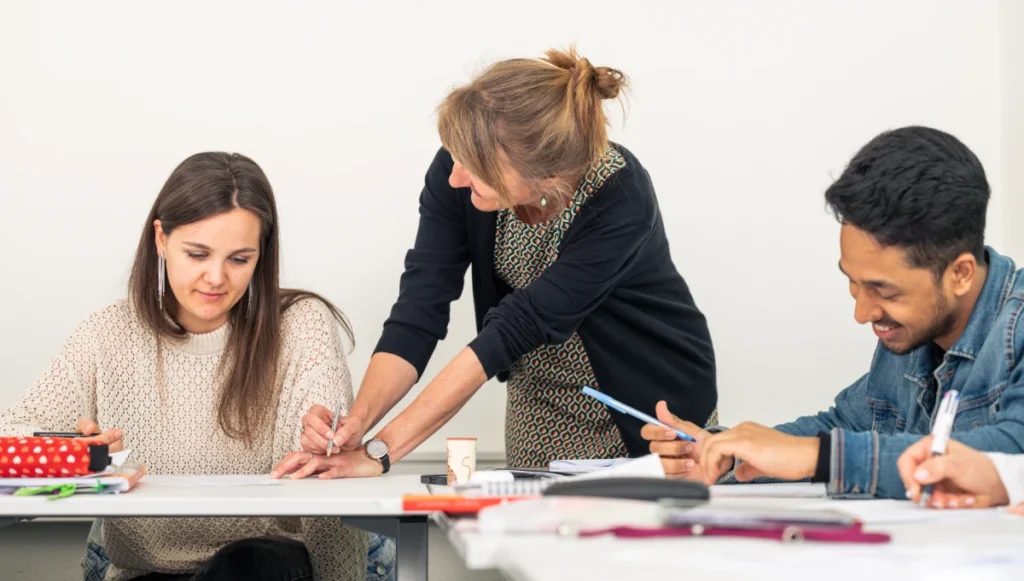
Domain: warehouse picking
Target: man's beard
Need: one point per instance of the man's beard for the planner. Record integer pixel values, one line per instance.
(941, 324)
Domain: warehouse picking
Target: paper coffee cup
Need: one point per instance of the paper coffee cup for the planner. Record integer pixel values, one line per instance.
(461, 460)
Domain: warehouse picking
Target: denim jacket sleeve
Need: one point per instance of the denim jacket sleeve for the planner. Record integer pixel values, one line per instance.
(864, 462)
(843, 414)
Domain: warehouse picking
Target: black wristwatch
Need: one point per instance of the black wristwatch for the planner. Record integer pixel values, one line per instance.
(378, 450)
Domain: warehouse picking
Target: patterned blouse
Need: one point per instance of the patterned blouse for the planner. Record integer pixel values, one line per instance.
(547, 416)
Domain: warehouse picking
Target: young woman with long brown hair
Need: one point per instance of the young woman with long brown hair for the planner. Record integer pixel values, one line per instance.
(206, 368)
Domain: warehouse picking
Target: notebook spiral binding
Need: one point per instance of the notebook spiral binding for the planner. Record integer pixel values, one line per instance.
(521, 487)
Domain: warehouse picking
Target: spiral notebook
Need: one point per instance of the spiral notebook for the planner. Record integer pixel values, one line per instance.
(646, 466)
(518, 487)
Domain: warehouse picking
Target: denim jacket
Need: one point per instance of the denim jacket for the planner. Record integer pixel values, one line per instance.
(874, 420)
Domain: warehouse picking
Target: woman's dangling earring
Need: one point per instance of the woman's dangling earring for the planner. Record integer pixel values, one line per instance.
(543, 201)
(161, 267)
(252, 292)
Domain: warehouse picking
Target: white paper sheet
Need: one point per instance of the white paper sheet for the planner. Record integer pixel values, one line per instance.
(219, 480)
(838, 562)
(889, 512)
(584, 466)
(646, 466)
(773, 490)
(117, 459)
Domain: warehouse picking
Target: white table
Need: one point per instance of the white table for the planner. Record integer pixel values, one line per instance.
(911, 555)
(372, 504)
(481, 551)
(964, 552)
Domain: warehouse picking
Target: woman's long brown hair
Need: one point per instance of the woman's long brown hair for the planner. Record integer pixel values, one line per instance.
(204, 185)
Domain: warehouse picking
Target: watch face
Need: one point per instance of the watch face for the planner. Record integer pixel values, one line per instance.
(376, 448)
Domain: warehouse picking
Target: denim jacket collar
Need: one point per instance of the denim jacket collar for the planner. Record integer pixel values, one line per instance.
(999, 283)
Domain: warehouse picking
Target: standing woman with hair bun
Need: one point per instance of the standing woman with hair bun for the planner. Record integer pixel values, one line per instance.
(573, 284)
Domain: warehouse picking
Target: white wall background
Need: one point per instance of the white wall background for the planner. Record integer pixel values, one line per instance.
(742, 111)
(1011, 52)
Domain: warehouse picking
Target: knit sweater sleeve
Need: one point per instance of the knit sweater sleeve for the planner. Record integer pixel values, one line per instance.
(317, 373)
(66, 390)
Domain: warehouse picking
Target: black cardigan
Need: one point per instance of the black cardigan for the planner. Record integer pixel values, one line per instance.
(613, 282)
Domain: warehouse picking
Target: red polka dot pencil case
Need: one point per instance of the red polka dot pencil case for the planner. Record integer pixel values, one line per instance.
(45, 457)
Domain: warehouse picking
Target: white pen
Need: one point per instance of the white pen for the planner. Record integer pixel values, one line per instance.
(334, 429)
(940, 434)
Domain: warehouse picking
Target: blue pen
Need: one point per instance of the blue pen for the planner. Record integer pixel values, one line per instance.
(619, 406)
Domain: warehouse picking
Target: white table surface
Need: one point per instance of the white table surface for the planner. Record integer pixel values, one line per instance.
(549, 557)
(480, 551)
(166, 496)
(990, 550)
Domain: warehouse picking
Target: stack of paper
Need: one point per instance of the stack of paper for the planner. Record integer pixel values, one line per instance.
(584, 466)
(119, 476)
(646, 467)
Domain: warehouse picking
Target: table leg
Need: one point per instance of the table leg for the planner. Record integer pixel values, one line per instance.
(411, 542)
(411, 546)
